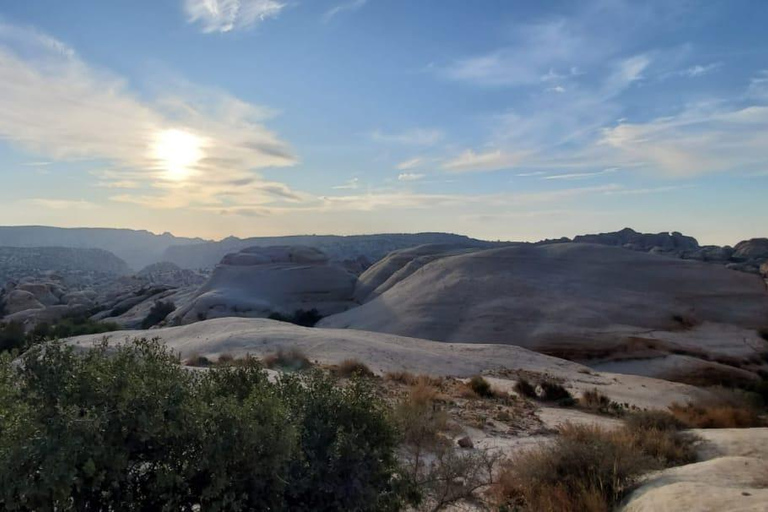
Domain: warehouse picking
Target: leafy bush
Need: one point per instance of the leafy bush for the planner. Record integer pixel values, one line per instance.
(481, 387)
(157, 314)
(127, 428)
(305, 318)
(351, 367)
(288, 360)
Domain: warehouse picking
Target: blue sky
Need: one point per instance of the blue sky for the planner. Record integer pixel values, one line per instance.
(499, 119)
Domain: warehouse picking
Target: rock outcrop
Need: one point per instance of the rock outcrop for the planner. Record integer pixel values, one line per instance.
(665, 243)
(259, 281)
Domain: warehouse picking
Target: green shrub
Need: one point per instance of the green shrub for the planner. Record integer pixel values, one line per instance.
(157, 314)
(127, 428)
(556, 392)
(481, 387)
(525, 388)
(12, 336)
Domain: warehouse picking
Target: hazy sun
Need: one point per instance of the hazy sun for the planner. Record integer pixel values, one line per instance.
(178, 152)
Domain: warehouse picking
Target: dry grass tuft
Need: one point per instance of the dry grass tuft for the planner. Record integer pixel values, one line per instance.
(589, 468)
(351, 367)
(585, 469)
(697, 415)
(287, 360)
(409, 379)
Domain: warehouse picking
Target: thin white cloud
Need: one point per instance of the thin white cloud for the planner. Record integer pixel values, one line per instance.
(413, 137)
(407, 165)
(701, 69)
(470, 161)
(580, 175)
(352, 184)
(55, 105)
(699, 140)
(228, 15)
(353, 5)
(62, 204)
(410, 176)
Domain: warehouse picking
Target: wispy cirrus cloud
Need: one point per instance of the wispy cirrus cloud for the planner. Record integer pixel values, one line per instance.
(62, 204)
(341, 8)
(412, 137)
(493, 160)
(229, 15)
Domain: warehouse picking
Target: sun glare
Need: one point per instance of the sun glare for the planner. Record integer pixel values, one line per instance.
(178, 152)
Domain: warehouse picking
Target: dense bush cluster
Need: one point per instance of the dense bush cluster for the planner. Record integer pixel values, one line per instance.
(128, 428)
(13, 335)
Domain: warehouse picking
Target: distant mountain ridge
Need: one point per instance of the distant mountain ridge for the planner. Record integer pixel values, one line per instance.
(19, 262)
(138, 248)
(338, 248)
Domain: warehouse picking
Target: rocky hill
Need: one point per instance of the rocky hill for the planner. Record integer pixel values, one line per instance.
(579, 301)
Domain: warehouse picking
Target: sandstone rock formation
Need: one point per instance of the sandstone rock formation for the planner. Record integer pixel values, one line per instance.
(349, 251)
(259, 281)
(574, 299)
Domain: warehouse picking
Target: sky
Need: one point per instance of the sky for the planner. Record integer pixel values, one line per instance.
(499, 119)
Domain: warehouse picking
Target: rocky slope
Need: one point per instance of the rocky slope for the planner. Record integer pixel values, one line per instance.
(576, 300)
(387, 353)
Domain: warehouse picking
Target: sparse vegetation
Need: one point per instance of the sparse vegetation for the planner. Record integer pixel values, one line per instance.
(555, 392)
(287, 360)
(481, 387)
(304, 318)
(127, 428)
(717, 415)
(446, 475)
(588, 468)
(157, 314)
(598, 402)
(351, 367)
(763, 333)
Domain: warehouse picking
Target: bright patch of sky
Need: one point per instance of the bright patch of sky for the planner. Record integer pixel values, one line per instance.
(498, 119)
